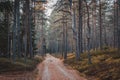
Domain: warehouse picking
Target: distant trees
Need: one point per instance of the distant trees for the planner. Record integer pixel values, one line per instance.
(60, 21)
(95, 24)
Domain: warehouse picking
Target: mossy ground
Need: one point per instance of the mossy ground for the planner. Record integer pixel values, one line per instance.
(105, 64)
(7, 65)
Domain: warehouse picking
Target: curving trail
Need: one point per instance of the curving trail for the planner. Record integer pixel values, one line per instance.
(53, 69)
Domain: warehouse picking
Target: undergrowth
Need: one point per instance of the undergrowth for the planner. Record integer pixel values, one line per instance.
(7, 65)
(105, 64)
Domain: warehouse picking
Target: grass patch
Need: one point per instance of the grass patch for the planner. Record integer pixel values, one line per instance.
(105, 64)
(6, 65)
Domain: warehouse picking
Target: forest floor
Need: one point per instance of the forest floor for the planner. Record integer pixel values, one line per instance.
(54, 69)
(105, 64)
(18, 70)
(50, 69)
(17, 76)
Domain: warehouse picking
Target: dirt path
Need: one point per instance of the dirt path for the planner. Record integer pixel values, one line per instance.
(54, 69)
(50, 69)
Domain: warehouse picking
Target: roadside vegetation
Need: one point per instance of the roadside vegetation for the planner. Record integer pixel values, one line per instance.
(7, 65)
(105, 64)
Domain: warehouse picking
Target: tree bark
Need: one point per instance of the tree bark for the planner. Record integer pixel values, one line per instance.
(80, 47)
(100, 23)
(88, 33)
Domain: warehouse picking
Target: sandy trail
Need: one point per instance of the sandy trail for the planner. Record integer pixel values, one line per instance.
(53, 69)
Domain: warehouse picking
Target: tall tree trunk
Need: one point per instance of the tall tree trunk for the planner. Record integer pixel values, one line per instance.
(64, 38)
(117, 24)
(94, 23)
(26, 26)
(100, 22)
(118, 2)
(18, 27)
(30, 30)
(84, 28)
(14, 32)
(65, 56)
(114, 24)
(80, 50)
(8, 27)
(75, 33)
(88, 33)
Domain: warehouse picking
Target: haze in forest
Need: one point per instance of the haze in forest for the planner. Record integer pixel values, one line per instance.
(59, 39)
